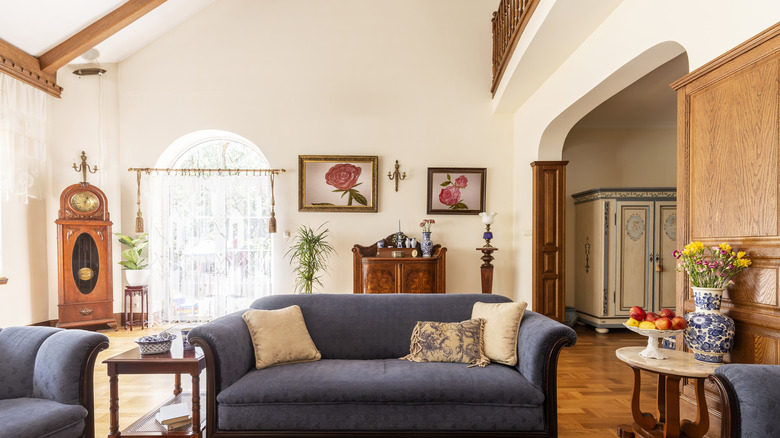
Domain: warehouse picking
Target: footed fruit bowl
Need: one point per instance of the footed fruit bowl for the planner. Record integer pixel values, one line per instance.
(652, 351)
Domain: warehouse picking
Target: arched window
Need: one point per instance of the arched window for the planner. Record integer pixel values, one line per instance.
(208, 233)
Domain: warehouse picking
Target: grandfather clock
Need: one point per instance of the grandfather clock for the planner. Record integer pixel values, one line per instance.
(84, 254)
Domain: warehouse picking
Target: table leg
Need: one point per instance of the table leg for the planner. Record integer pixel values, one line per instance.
(195, 402)
(702, 424)
(177, 384)
(661, 398)
(643, 419)
(672, 425)
(113, 406)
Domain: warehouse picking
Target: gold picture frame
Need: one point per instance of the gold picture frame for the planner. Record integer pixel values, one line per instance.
(337, 183)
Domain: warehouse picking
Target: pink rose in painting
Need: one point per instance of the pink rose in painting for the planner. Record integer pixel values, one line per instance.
(462, 181)
(343, 176)
(449, 195)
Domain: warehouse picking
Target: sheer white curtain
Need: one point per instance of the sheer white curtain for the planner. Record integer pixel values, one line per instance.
(209, 246)
(22, 139)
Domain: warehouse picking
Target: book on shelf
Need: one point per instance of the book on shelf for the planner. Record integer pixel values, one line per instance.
(174, 413)
(178, 424)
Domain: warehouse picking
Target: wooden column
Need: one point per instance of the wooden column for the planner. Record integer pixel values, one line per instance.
(486, 270)
(547, 283)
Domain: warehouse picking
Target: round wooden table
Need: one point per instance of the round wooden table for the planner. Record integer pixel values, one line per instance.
(670, 371)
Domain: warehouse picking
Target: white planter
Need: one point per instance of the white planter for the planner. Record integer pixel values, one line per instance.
(137, 277)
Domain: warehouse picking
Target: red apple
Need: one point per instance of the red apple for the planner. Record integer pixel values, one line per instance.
(678, 323)
(651, 317)
(663, 323)
(668, 313)
(637, 313)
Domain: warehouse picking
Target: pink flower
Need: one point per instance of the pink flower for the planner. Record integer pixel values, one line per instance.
(462, 181)
(449, 195)
(343, 176)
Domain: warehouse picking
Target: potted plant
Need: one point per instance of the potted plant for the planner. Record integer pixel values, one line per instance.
(309, 253)
(133, 262)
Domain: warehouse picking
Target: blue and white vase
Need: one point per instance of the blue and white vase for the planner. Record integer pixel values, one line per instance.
(709, 334)
(426, 245)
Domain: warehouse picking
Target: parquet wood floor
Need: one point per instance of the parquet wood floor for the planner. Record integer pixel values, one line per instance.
(594, 387)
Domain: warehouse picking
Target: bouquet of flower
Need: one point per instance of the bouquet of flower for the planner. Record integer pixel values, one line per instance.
(426, 225)
(711, 266)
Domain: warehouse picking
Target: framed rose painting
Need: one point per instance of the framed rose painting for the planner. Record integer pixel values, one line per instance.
(337, 183)
(456, 190)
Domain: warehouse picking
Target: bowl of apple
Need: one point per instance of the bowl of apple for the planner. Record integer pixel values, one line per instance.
(664, 324)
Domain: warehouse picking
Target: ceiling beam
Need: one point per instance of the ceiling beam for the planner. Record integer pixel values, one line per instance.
(95, 33)
(19, 65)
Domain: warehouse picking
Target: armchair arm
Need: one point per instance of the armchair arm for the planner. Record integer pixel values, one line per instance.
(65, 365)
(749, 394)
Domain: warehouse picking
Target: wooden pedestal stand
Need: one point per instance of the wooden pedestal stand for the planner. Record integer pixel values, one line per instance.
(487, 269)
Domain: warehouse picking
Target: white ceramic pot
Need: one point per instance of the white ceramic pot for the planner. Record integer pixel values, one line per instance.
(137, 277)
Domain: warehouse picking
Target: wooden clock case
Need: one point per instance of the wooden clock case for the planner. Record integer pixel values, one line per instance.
(85, 283)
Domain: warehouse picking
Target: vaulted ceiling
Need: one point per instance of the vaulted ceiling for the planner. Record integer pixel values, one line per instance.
(37, 37)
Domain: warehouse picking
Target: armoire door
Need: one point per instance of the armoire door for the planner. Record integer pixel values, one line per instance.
(665, 293)
(634, 256)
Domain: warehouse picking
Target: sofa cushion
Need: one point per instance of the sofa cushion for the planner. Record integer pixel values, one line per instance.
(280, 337)
(371, 326)
(387, 394)
(502, 322)
(18, 349)
(456, 342)
(40, 418)
(382, 381)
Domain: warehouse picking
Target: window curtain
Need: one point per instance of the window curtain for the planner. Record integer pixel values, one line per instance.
(208, 243)
(22, 139)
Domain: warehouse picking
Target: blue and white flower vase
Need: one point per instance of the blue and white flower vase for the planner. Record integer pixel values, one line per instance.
(709, 334)
(426, 245)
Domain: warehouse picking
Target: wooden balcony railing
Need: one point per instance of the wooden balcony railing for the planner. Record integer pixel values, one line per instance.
(508, 24)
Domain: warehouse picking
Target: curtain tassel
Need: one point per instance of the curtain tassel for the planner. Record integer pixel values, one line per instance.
(139, 220)
(272, 220)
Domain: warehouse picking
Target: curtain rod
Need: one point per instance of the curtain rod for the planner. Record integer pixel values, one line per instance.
(195, 172)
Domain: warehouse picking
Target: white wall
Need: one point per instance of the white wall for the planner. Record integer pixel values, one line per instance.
(614, 158)
(634, 39)
(406, 80)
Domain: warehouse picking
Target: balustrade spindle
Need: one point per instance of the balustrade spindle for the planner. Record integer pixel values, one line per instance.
(508, 23)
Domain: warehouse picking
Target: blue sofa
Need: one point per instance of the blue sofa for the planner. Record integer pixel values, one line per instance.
(46, 378)
(360, 386)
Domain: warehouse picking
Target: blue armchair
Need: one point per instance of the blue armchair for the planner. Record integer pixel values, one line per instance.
(46, 381)
(751, 399)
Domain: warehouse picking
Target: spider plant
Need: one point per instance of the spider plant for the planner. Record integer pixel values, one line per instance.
(309, 252)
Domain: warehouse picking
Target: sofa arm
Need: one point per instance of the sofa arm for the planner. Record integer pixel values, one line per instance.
(65, 366)
(540, 339)
(749, 394)
(228, 348)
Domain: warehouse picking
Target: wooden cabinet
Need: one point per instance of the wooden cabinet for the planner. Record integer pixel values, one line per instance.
(728, 175)
(624, 245)
(376, 271)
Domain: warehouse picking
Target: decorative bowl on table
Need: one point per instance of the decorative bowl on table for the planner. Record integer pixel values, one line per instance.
(155, 344)
(652, 351)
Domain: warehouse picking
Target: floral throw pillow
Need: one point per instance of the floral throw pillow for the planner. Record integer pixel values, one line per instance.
(458, 342)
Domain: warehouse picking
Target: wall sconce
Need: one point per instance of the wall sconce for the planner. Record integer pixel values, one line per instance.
(396, 175)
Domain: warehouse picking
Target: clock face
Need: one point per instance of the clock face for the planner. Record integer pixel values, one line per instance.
(84, 202)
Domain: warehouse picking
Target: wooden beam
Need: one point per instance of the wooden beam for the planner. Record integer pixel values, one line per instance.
(95, 33)
(26, 68)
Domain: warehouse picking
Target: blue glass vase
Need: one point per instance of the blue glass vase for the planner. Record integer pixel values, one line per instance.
(709, 334)
(426, 245)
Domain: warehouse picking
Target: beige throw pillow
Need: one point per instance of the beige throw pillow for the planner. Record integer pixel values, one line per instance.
(280, 337)
(502, 322)
(459, 342)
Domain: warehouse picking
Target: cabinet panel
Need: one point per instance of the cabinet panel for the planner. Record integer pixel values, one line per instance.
(666, 264)
(634, 252)
(418, 278)
(379, 278)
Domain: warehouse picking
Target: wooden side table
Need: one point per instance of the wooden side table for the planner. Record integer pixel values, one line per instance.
(130, 321)
(178, 361)
(668, 425)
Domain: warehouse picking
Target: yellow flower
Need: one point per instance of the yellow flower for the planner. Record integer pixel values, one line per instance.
(740, 254)
(725, 247)
(743, 263)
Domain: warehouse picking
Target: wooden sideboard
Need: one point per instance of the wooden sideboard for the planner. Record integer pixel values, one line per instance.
(376, 271)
